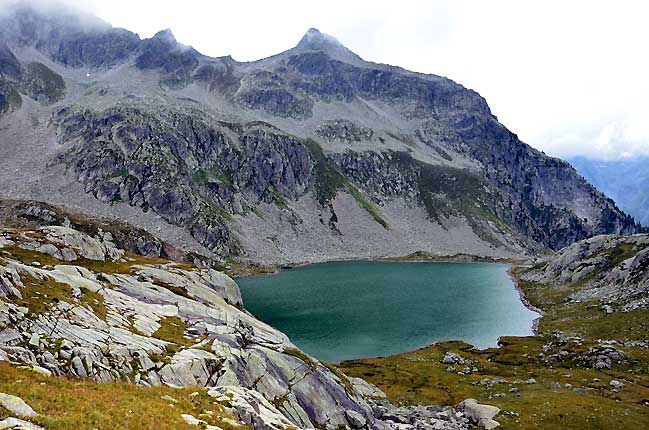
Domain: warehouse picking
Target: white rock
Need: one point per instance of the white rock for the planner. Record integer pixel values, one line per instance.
(252, 408)
(169, 398)
(18, 424)
(488, 424)
(77, 365)
(34, 340)
(16, 406)
(192, 421)
(480, 414)
(43, 371)
(355, 419)
(366, 389)
(616, 384)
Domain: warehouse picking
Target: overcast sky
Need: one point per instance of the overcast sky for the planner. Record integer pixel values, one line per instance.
(569, 77)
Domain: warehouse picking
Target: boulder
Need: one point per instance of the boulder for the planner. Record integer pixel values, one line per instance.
(355, 419)
(616, 385)
(77, 366)
(365, 389)
(18, 424)
(193, 421)
(452, 358)
(16, 406)
(479, 414)
(252, 408)
(43, 371)
(34, 341)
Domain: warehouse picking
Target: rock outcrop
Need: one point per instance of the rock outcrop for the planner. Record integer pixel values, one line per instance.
(78, 306)
(16, 407)
(612, 270)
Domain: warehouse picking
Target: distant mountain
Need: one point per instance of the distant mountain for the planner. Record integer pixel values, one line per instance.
(311, 154)
(624, 181)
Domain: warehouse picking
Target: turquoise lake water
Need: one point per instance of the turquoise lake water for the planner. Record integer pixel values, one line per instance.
(354, 309)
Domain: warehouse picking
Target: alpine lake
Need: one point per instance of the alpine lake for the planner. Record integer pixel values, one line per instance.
(357, 309)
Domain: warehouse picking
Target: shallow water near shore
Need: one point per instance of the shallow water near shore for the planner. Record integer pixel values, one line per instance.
(354, 309)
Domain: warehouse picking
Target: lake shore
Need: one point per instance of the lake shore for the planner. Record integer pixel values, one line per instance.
(524, 300)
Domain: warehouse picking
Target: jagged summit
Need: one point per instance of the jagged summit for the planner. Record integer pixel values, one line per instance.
(315, 40)
(166, 35)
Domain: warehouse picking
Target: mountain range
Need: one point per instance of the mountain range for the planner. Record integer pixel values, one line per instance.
(625, 181)
(312, 154)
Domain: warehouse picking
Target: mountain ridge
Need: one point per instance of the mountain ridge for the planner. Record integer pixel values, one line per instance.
(302, 156)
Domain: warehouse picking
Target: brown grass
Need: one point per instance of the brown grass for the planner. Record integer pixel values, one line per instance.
(302, 356)
(82, 404)
(419, 378)
(172, 329)
(39, 295)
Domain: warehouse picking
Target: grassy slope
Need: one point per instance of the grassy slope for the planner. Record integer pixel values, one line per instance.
(419, 377)
(82, 404)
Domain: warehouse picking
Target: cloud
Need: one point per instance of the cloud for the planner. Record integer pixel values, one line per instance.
(614, 140)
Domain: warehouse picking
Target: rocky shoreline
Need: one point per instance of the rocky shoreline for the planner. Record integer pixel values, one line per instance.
(524, 300)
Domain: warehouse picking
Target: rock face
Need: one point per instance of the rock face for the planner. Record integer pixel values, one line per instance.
(12, 405)
(31, 214)
(265, 159)
(18, 424)
(612, 270)
(112, 316)
(185, 166)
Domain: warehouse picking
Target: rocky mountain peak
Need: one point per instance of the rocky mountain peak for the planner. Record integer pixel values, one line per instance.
(315, 40)
(166, 35)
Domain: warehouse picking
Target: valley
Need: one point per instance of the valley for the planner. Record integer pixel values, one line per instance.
(364, 210)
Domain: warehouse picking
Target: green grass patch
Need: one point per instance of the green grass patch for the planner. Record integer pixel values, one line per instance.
(28, 256)
(369, 208)
(420, 378)
(328, 181)
(302, 356)
(180, 291)
(202, 176)
(349, 388)
(42, 83)
(446, 191)
(172, 329)
(279, 199)
(40, 295)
